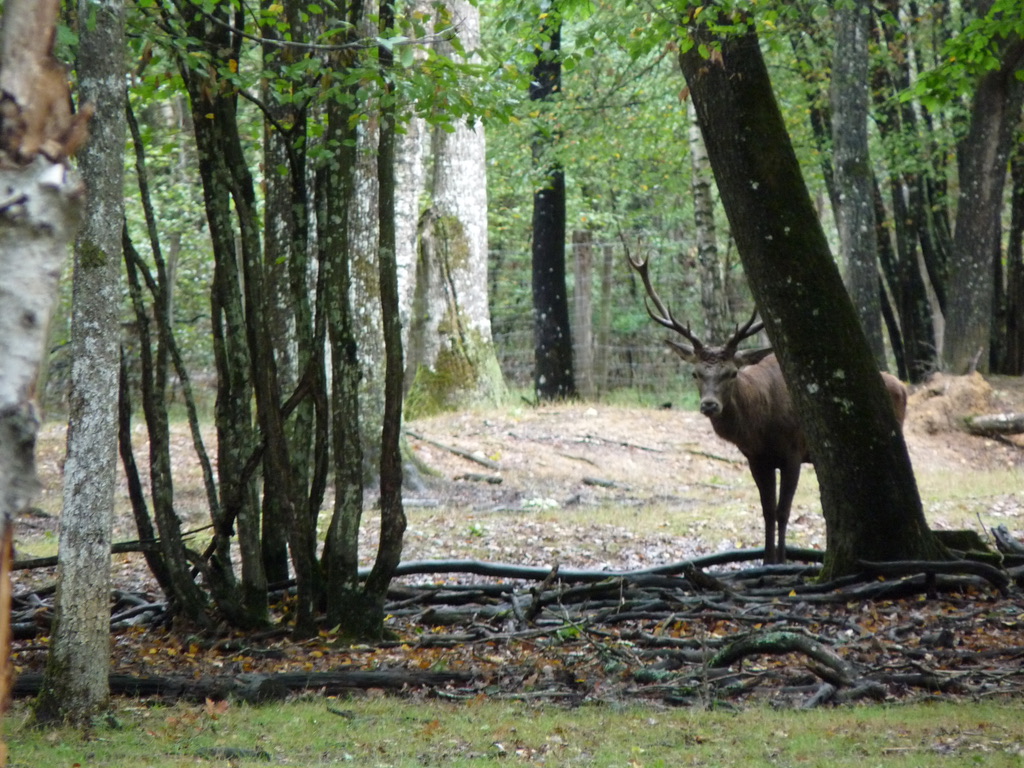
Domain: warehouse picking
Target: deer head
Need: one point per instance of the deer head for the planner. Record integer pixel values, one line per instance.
(714, 367)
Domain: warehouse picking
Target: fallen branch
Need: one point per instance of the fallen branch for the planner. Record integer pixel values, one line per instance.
(457, 451)
(118, 548)
(257, 687)
(994, 424)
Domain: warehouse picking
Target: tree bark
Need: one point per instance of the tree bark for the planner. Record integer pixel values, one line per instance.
(38, 219)
(553, 375)
(392, 513)
(583, 312)
(78, 660)
(854, 181)
(868, 493)
(982, 160)
(1013, 350)
(451, 359)
(713, 297)
(336, 187)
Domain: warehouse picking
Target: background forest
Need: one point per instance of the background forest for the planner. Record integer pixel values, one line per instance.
(337, 214)
(634, 180)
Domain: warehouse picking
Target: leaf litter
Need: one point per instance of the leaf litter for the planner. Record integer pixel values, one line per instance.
(589, 494)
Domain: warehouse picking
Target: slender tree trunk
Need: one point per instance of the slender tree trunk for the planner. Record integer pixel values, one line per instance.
(243, 350)
(286, 213)
(75, 685)
(156, 351)
(713, 298)
(336, 188)
(392, 514)
(913, 243)
(553, 376)
(855, 211)
(37, 134)
(583, 333)
(604, 326)
(363, 242)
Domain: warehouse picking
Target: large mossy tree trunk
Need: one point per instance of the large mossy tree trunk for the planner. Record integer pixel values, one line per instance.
(868, 492)
(451, 359)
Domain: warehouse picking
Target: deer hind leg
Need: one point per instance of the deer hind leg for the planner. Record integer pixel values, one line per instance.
(789, 477)
(764, 477)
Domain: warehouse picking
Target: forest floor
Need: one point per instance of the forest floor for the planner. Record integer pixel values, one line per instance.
(617, 488)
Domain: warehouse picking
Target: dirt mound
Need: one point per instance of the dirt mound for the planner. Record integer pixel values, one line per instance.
(943, 402)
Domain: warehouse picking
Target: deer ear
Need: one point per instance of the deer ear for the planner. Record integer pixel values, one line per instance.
(751, 356)
(683, 350)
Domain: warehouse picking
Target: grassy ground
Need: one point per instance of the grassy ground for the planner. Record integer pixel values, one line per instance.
(381, 731)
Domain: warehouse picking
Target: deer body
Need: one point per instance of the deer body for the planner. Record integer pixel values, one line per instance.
(744, 395)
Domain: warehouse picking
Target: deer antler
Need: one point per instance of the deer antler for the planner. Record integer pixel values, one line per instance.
(664, 316)
(744, 331)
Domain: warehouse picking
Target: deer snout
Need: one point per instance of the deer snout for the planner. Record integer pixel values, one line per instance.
(709, 406)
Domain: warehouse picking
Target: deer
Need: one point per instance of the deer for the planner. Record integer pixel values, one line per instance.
(744, 395)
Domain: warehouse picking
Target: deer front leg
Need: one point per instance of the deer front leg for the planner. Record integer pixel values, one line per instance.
(789, 477)
(764, 477)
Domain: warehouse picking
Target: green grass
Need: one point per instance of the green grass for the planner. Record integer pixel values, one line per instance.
(382, 731)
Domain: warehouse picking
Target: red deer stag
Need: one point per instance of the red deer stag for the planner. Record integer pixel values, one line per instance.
(745, 396)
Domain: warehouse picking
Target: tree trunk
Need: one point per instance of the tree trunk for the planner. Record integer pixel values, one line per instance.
(336, 187)
(156, 351)
(247, 373)
(1013, 356)
(79, 656)
(982, 159)
(392, 514)
(868, 493)
(604, 326)
(713, 298)
(43, 208)
(583, 335)
(364, 269)
(289, 277)
(451, 358)
(553, 375)
(855, 211)
(918, 232)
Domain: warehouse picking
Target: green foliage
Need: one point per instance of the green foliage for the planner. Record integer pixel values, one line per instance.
(978, 48)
